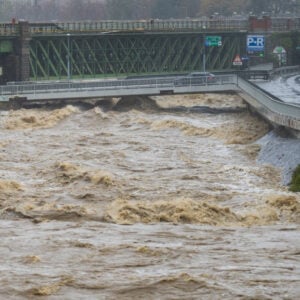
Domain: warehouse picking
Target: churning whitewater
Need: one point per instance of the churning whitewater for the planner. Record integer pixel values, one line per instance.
(143, 198)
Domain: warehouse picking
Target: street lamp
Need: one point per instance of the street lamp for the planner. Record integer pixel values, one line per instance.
(68, 57)
(204, 49)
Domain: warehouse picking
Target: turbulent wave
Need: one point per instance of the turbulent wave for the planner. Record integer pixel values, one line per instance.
(206, 220)
(189, 211)
(24, 119)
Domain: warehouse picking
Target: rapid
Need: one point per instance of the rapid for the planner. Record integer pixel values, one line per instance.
(144, 198)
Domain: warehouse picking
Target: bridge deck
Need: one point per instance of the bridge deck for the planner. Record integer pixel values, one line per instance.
(269, 106)
(115, 88)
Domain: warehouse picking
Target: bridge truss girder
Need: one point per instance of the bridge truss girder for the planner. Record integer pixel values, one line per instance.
(88, 56)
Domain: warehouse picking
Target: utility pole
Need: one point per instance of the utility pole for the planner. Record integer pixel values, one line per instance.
(68, 58)
(204, 53)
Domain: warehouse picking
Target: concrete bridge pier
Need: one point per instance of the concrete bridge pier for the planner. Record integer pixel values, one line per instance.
(9, 68)
(23, 52)
(15, 55)
(8, 60)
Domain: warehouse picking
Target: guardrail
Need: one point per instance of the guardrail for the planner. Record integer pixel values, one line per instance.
(52, 89)
(285, 71)
(211, 24)
(77, 87)
(200, 24)
(140, 25)
(269, 106)
(266, 104)
(7, 29)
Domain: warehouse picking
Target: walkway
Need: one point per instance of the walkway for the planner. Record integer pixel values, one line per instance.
(270, 107)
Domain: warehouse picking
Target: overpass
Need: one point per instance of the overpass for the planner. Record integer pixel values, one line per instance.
(273, 109)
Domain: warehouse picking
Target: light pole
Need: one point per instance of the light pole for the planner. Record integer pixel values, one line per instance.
(204, 54)
(204, 50)
(68, 57)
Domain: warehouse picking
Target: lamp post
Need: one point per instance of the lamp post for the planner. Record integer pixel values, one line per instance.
(204, 49)
(68, 57)
(204, 54)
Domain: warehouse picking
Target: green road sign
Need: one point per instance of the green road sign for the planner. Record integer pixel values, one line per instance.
(213, 40)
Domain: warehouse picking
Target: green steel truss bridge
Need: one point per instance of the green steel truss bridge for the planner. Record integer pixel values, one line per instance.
(92, 55)
(46, 51)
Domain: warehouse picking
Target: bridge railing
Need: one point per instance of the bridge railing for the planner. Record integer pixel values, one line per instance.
(201, 24)
(251, 24)
(271, 107)
(23, 89)
(285, 71)
(8, 29)
(285, 24)
(266, 104)
(141, 25)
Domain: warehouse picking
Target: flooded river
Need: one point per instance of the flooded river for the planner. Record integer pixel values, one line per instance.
(141, 198)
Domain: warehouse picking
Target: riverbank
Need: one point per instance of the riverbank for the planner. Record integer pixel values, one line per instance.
(281, 152)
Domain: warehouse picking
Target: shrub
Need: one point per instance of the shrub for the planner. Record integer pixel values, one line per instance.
(295, 183)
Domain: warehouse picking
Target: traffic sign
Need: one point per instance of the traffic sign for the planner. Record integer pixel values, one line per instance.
(255, 43)
(246, 58)
(279, 50)
(280, 53)
(237, 61)
(213, 40)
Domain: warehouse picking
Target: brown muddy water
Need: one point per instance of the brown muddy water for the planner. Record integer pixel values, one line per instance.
(141, 200)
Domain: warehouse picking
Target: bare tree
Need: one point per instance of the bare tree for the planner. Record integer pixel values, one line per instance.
(6, 10)
(78, 10)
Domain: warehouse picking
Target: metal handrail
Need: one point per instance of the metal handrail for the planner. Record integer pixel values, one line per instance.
(8, 29)
(199, 24)
(268, 105)
(138, 25)
(77, 86)
(285, 71)
(266, 100)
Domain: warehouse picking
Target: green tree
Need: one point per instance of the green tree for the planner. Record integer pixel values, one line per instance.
(295, 183)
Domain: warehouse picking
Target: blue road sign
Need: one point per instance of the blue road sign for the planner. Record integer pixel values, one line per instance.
(255, 43)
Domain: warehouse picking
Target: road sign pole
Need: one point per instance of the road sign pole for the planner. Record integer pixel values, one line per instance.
(204, 53)
(210, 41)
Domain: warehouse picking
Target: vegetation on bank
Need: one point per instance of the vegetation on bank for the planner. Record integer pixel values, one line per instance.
(289, 41)
(295, 182)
